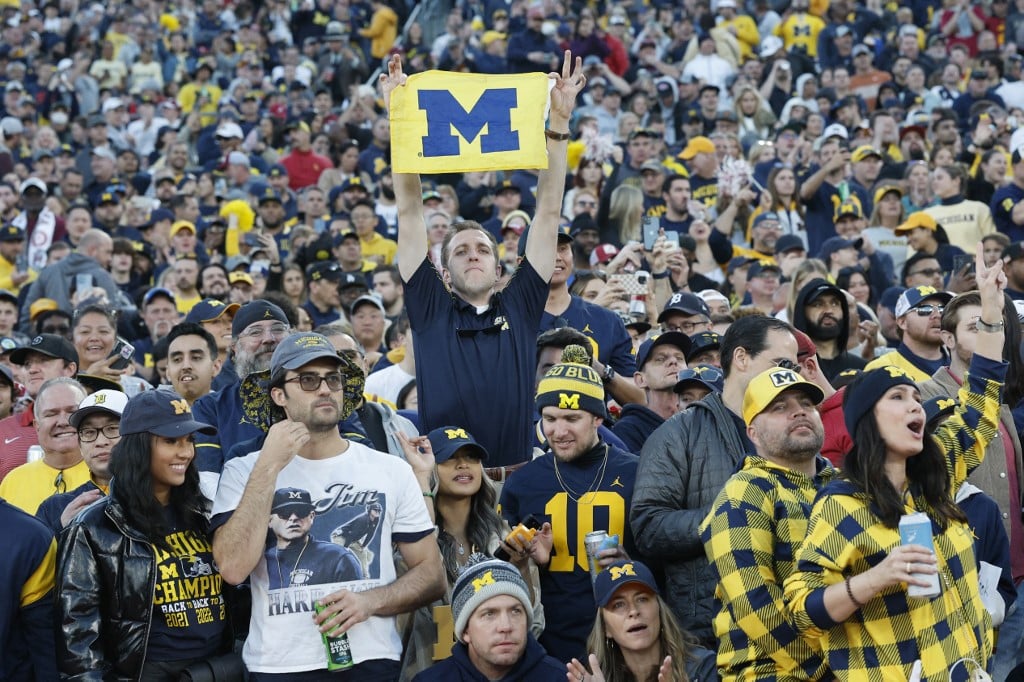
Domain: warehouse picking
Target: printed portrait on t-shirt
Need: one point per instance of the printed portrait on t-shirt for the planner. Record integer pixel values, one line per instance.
(319, 540)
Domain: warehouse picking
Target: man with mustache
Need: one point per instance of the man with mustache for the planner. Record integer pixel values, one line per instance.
(307, 479)
(823, 313)
(756, 524)
(256, 330)
(192, 361)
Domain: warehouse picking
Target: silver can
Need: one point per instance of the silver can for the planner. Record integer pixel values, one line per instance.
(593, 542)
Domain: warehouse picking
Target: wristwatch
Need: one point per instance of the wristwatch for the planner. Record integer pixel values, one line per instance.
(989, 327)
(608, 375)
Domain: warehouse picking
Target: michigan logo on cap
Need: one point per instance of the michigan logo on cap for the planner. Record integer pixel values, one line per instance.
(443, 122)
(784, 377)
(100, 399)
(180, 407)
(895, 372)
(311, 341)
(946, 403)
(569, 402)
(621, 571)
(486, 579)
(452, 434)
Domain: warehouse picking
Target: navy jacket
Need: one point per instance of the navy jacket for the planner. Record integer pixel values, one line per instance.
(535, 666)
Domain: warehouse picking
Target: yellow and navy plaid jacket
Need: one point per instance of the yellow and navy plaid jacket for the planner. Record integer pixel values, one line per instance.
(882, 640)
(751, 537)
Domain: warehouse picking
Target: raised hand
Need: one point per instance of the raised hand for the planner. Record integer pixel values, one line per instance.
(577, 672)
(394, 78)
(567, 86)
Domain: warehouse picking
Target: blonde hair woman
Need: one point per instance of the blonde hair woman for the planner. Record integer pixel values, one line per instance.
(625, 212)
(635, 637)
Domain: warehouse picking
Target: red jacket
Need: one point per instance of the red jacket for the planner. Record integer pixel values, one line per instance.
(837, 440)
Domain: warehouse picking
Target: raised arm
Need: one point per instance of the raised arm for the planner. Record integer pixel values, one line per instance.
(412, 228)
(542, 241)
(239, 543)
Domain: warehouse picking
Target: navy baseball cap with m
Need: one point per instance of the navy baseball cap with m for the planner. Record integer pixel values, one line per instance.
(162, 413)
(445, 441)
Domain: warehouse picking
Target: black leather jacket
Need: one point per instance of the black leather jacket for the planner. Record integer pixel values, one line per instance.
(105, 595)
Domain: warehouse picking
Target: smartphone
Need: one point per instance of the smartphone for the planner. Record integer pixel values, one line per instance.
(83, 282)
(634, 284)
(651, 228)
(672, 237)
(525, 530)
(253, 239)
(124, 352)
(963, 263)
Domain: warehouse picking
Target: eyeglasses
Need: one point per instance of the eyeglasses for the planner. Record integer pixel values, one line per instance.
(88, 434)
(60, 330)
(685, 327)
(351, 354)
(59, 484)
(277, 331)
(786, 363)
(929, 309)
(928, 272)
(311, 382)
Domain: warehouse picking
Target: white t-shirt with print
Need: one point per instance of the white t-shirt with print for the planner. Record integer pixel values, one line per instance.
(364, 500)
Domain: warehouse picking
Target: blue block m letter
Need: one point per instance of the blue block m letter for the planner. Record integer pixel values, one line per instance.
(493, 109)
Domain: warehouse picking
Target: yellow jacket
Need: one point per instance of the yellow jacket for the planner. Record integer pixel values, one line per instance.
(382, 31)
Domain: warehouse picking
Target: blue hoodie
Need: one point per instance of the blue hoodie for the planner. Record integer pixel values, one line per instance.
(534, 665)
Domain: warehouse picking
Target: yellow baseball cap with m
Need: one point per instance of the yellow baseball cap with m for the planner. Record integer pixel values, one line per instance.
(769, 385)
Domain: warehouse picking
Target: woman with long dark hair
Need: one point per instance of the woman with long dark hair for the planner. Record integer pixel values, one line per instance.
(635, 637)
(854, 590)
(463, 504)
(138, 595)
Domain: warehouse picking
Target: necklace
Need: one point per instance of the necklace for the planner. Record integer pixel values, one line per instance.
(575, 496)
(280, 576)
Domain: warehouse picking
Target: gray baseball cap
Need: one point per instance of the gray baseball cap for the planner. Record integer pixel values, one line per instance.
(298, 350)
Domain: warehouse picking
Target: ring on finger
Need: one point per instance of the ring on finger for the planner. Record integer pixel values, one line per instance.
(908, 568)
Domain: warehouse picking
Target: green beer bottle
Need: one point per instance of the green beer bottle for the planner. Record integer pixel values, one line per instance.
(339, 652)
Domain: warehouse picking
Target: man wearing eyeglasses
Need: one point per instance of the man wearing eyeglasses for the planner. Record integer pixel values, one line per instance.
(97, 421)
(61, 467)
(922, 269)
(306, 465)
(919, 326)
(687, 460)
(686, 313)
(256, 330)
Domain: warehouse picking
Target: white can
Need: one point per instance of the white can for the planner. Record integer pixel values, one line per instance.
(916, 529)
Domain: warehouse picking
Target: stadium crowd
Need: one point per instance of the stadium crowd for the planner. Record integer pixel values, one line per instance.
(272, 411)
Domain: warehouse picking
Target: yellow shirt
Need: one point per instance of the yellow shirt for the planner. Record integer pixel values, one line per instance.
(7, 272)
(966, 222)
(184, 305)
(747, 34)
(28, 485)
(894, 358)
(801, 30)
(378, 246)
(190, 92)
